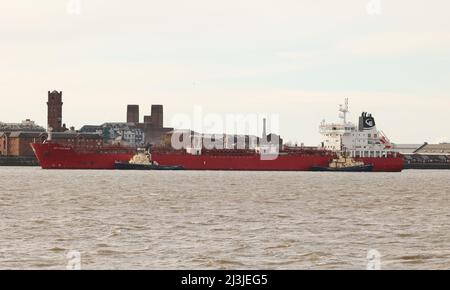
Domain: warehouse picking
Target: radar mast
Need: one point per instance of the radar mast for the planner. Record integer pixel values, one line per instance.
(344, 110)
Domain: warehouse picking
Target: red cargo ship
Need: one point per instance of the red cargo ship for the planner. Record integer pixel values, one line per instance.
(362, 143)
(57, 156)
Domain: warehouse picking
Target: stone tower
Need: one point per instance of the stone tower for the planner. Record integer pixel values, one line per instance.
(54, 112)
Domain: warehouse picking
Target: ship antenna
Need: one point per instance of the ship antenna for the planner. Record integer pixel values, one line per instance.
(344, 109)
(264, 134)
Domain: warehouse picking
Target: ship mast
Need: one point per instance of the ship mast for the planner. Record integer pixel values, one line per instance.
(344, 109)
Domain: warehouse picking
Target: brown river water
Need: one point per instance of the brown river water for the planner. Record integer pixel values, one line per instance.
(223, 220)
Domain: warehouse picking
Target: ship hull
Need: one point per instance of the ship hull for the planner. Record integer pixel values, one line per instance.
(255, 163)
(128, 166)
(243, 163)
(55, 156)
(364, 168)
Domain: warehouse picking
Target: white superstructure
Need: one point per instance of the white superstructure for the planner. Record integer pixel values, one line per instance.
(362, 140)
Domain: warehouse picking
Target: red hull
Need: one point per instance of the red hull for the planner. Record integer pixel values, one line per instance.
(55, 156)
(289, 162)
(385, 164)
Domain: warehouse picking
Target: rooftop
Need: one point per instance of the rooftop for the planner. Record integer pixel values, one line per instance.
(435, 148)
(26, 125)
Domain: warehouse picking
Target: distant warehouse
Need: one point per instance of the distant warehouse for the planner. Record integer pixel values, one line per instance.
(429, 156)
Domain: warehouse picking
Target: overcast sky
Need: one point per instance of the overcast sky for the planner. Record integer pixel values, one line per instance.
(295, 58)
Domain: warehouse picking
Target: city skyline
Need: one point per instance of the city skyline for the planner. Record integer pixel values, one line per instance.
(296, 59)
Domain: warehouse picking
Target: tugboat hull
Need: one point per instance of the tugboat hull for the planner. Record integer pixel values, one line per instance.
(365, 168)
(128, 166)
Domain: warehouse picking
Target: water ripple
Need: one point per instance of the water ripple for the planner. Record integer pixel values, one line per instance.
(223, 220)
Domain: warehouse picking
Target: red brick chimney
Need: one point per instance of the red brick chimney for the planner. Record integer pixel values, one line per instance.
(133, 114)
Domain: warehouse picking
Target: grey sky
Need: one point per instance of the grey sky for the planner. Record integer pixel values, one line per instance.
(297, 58)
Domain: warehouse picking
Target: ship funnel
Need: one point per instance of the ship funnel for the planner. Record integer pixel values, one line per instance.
(366, 121)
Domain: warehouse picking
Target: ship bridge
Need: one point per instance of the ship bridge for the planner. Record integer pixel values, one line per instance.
(336, 129)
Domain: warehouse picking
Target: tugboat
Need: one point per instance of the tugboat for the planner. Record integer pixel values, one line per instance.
(143, 161)
(343, 163)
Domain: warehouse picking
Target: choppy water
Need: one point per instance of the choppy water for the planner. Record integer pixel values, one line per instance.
(223, 220)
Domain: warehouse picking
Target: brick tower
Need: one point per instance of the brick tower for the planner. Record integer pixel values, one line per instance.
(54, 112)
(157, 116)
(133, 114)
